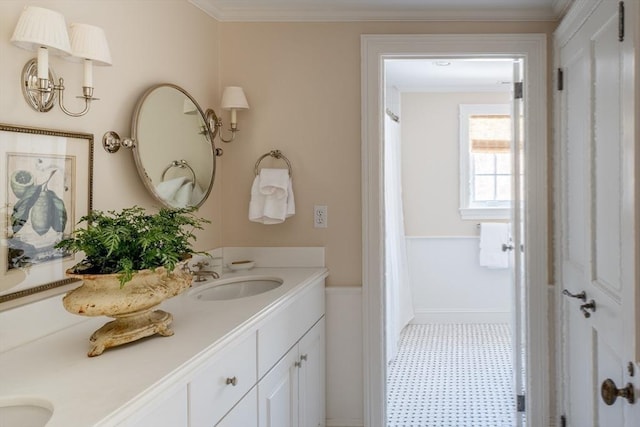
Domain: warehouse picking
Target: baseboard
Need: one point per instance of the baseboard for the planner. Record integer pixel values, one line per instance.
(345, 423)
(436, 316)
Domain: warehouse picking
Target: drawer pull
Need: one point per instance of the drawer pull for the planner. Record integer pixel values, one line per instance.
(233, 381)
(303, 357)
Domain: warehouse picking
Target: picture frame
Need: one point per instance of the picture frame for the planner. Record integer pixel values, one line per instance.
(46, 186)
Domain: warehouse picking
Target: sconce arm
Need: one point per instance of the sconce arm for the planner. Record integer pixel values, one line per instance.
(87, 96)
(215, 123)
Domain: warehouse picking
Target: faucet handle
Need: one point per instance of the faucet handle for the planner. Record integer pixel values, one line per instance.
(201, 264)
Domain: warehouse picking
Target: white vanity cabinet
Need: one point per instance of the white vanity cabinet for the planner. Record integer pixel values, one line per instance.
(311, 377)
(292, 394)
(270, 373)
(167, 410)
(225, 379)
(245, 413)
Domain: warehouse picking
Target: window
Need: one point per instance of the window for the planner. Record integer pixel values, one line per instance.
(485, 161)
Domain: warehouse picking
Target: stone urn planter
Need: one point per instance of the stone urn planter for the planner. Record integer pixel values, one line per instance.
(133, 306)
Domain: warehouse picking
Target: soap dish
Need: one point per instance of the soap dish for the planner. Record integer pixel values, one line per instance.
(241, 265)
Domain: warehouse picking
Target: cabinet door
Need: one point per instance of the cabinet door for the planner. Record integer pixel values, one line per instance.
(311, 391)
(244, 414)
(278, 393)
(218, 386)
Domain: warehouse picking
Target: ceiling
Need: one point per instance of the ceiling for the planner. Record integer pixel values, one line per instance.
(449, 75)
(383, 10)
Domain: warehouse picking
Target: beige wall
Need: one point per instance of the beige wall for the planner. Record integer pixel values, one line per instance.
(151, 42)
(303, 84)
(431, 163)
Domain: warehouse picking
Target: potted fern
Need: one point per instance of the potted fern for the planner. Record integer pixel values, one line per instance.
(133, 260)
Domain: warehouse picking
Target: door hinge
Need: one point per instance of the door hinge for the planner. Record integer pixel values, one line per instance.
(517, 90)
(621, 21)
(520, 403)
(563, 421)
(560, 79)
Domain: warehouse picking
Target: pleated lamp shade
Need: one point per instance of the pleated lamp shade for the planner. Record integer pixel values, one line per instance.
(39, 27)
(89, 42)
(233, 98)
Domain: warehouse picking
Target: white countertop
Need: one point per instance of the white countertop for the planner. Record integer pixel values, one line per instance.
(97, 391)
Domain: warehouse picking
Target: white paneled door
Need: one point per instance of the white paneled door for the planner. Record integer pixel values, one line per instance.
(597, 244)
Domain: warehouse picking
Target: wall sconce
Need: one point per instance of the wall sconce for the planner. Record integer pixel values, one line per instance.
(45, 31)
(233, 99)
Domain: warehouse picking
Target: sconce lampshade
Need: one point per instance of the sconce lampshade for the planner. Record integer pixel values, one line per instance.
(39, 27)
(89, 42)
(233, 98)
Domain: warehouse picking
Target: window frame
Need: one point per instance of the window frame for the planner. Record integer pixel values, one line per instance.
(469, 210)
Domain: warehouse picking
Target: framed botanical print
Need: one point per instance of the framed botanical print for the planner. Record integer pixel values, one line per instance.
(46, 180)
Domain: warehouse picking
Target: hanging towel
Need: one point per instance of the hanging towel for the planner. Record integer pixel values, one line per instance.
(167, 189)
(183, 195)
(272, 199)
(274, 183)
(196, 194)
(492, 237)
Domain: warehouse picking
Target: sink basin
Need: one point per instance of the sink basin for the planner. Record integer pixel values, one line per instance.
(24, 411)
(236, 287)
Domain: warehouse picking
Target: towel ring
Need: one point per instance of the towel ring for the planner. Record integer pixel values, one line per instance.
(180, 164)
(276, 154)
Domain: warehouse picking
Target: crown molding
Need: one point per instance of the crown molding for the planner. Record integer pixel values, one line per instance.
(276, 13)
(560, 7)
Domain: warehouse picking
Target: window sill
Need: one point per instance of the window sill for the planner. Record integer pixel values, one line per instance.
(485, 213)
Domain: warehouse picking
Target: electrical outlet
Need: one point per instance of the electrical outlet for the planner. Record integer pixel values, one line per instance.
(320, 216)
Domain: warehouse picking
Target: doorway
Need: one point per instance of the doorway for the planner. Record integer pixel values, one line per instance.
(450, 306)
(375, 49)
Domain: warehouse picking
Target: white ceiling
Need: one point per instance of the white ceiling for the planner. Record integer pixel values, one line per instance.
(378, 10)
(449, 75)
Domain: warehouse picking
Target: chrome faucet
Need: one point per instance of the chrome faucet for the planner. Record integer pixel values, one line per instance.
(200, 274)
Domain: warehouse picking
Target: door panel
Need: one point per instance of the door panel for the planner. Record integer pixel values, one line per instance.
(578, 397)
(607, 177)
(595, 221)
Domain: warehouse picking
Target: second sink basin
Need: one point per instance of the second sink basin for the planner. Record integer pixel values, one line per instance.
(235, 287)
(21, 412)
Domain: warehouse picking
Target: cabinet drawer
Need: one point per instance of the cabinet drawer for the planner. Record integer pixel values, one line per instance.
(223, 382)
(282, 331)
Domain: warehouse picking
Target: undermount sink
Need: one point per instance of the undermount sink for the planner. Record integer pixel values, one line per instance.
(235, 287)
(24, 411)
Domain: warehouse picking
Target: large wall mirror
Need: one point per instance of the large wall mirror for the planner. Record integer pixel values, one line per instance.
(173, 150)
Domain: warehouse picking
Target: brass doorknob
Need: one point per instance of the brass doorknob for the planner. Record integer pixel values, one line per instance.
(610, 392)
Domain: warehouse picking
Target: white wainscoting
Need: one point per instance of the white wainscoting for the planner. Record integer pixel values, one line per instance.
(345, 399)
(449, 286)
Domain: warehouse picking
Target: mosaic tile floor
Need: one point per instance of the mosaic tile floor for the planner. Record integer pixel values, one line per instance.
(452, 376)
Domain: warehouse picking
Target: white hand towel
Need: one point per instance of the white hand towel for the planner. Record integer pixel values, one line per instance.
(291, 204)
(274, 182)
(196, 195)
(273, 208)
(492, 237)
(183, 195)
(167, 189)
(256, 203)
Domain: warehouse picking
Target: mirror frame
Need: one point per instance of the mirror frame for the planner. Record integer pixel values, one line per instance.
(136, 154)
